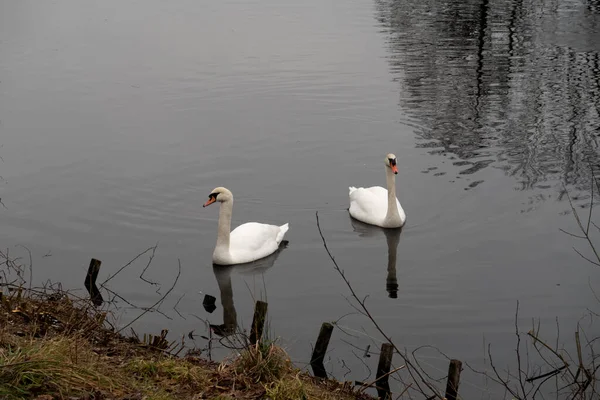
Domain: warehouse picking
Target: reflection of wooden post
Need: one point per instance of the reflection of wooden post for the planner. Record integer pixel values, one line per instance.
(453, 379)
(383, 369)
(90, 282)
(258, 322)
(318, 355)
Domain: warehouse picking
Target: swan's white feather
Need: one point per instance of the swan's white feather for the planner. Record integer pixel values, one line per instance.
(369, 205)
(250, 242)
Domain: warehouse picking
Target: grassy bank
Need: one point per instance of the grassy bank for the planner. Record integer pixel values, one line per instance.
(54, 346)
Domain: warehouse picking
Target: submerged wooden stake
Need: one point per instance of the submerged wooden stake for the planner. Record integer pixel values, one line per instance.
(383, 369)
(90, 282)
(453, 379)
(318, 355)
(258, 322)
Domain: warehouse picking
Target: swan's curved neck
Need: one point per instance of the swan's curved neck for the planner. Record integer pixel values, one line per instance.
(224, 225)
(392, 209)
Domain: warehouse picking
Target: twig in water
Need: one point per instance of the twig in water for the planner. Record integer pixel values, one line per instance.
(518, 350)
(404, 391)
(159, 301)
(585, 230)
(363, 350)
(30, 264)
(419, 363)
(103, 284)
(373, 382)
(148, 265)
(536, 339)
(116, 295)
(363, 363)
(345, 366)
(547, 374)
(176, 304)
(500, 379)
(410, 367)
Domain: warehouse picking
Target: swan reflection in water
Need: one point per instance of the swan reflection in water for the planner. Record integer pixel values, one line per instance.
(392, 237)
(223, 276)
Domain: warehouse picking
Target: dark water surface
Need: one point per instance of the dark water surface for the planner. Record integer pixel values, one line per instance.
(118, 119)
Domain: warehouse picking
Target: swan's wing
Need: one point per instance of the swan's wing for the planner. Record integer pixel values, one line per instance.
(381, 195)
(370, 199)
(379, 192)
(253, 236)
(368, 204)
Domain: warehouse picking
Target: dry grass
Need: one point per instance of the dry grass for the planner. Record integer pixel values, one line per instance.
(54, 366)
(263, 362)
(54, 346)
(169, 374)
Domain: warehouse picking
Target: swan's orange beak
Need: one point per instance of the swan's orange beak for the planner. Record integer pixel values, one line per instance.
(394, 168)
(210, 201)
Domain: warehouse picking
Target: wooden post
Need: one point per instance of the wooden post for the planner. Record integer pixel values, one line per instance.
(383, 369)
(318, 355)
(90, 282)
(453, 379)
(258, 322)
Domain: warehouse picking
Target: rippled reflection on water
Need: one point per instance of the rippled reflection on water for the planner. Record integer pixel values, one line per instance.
(117, 121)
(508, 84)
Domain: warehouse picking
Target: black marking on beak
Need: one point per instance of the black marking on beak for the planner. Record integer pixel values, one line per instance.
(393, 164)
(213, 197)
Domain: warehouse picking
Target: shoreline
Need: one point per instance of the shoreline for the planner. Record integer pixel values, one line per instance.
(54, 345)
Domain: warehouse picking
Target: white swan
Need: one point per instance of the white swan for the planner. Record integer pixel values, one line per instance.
(376, 205)
(246, 243)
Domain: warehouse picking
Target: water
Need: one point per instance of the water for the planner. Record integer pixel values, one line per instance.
(117, 120)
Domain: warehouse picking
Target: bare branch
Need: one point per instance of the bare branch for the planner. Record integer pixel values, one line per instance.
(520, 370)
(30, 264)
(176, 304)
(551, 373)
(585, 258)
(103, 284)
(159, 301)
(412, 370)
(148, 265)
(500, 379)
(571, 234)
(585, 230)
(373, 382)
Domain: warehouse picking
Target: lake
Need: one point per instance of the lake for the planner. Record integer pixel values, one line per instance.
(118, 119)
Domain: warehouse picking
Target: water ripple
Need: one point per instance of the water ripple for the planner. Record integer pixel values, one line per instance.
(513, 83)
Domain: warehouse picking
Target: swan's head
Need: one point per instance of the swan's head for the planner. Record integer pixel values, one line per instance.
(218, 194)
(390, 161)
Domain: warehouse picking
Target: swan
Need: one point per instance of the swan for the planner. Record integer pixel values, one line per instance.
(376, 205)
(246, 243)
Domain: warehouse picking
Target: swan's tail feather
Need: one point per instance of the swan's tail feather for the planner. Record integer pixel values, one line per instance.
(352, 189)
(282, 230)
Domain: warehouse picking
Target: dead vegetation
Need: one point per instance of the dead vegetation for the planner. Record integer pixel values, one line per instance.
(54, 345)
